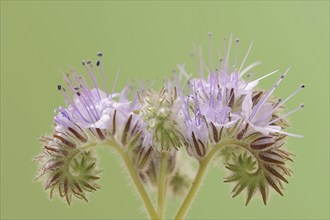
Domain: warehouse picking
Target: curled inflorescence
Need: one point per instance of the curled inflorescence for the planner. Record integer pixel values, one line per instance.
(192, 114)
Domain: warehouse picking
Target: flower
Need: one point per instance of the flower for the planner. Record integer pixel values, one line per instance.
(223, 106)
(91, 117)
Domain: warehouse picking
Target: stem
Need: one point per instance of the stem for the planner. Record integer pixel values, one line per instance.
(162, 184)
(200, 176)
(134, 176)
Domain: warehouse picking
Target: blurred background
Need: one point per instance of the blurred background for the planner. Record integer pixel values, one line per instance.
(147, 39)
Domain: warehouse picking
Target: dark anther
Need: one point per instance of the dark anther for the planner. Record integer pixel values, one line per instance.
(282, 76)
(237, 40)
(76, 88)
(89, 62)
(78, 93)
(98, 63)
(99, 54)
(302, 86)
(59, 87)
(83, 62)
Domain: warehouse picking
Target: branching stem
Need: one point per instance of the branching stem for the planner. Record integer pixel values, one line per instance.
(203, 164)
(136, 180)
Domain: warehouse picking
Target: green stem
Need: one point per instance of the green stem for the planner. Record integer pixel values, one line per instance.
(134, 176)
(200, 176)
(162, 184)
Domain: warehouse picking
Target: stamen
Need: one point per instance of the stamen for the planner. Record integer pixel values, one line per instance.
(278, 105)
(250, 78)
(99, 64)
(249, 67)
(228, 50)
(200, 56)
(81, 82)
(211, 89)
(220, 62)
(224, 51)
(285, 133)
(203, 89)
(265, 76)
(183, 71)
(67, 98)
(287, 114)
(264, 99)
(92, 75)
(203, 62)
(236, 51)
(210, 50)
(88, 108)
(115, 83)
(86, 91)
(82, 99)
(246, 55)
(192, 55)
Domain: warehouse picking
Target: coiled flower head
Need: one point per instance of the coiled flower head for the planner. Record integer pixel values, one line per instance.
(68, 177)
(221, 106)
(91, 117)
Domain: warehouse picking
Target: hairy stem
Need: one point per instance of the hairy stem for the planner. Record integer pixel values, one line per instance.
(200, 176)
(137, 182)
(162, 184)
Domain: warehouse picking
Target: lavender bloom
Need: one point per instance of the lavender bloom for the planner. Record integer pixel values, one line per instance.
(92, 116)
(223, 106)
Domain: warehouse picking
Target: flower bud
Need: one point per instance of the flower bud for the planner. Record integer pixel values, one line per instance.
(159, 112)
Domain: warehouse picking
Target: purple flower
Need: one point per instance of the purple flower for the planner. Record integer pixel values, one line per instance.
(92, 116)
(222, 106)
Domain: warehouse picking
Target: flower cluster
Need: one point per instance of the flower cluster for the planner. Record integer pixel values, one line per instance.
(221, 106)
(217, 114)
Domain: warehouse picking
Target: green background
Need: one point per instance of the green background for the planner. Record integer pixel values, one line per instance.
(147, 39)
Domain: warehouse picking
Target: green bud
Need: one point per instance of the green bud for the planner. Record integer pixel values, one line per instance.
(158, 111)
